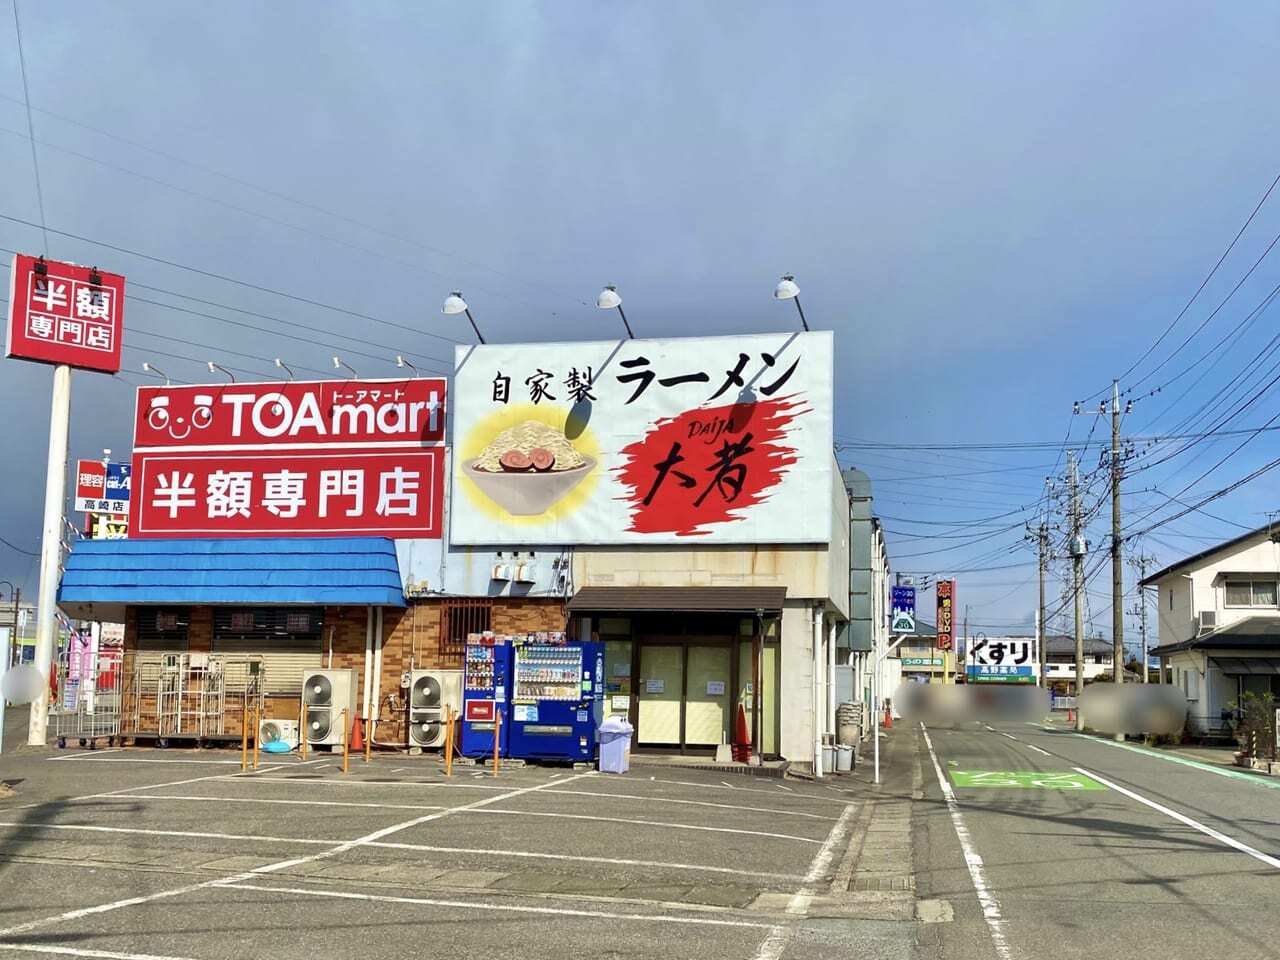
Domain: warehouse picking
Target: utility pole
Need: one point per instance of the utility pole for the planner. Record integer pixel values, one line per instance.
(1044, 567)
(1141, 562)
(1077, 548)
(1117, 561)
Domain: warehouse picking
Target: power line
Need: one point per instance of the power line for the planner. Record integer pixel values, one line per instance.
(26, 102)
(227, 279)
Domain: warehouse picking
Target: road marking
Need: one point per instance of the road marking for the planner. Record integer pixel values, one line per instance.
(1183, 818)
(1032, 746)
(1023, 779)
(95, 828)
(648, 823)
(780, 935)
(275, 800)
(490, 906)
(696, 803)
(977, 872)
(296, 781)
(84, 952)
(497, 854)
(342, 847)
(1187, 762)
(1009, 735)
(77, 756)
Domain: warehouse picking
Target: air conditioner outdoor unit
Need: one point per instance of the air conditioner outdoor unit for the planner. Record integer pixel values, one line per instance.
(430, 693)
(501, 571)
(325, 694)
(272, 730)
(527, 572)
(1207, 622)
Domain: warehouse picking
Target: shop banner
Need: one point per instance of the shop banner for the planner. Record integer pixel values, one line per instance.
(1002, 660)
(102, 487)
(323, 412)
(322, 458)
(65, 313)
(946, 595)
(716, 439)
(903, 605)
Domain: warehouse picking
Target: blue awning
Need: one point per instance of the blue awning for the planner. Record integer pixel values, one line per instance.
(102, 576)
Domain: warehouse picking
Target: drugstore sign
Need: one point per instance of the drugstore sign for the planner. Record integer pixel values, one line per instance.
(715, 439)
(323, 458)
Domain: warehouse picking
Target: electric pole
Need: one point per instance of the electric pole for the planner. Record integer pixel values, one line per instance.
(1077, 548)
(1117, 561)
(1141, 561)
(1044, 566)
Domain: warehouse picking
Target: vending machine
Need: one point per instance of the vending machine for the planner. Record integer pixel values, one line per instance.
(485, 682)
(557, 698)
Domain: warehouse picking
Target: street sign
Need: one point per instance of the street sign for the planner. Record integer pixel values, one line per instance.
(1024, 780)
(946, 594)
(1001, 660)
(65, 313)
(903, 605)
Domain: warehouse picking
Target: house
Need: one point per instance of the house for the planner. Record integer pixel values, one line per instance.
(919, 656)
(1219, 625)
(1060, 661)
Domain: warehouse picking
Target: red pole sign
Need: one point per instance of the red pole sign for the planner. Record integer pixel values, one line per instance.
(64, 313)
(946, 591)
(91, 484)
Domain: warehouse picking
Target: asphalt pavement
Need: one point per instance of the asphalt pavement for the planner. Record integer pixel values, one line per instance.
(137, 854)
(1046, 843)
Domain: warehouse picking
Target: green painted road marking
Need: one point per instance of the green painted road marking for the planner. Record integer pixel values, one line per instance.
(1024, 780)
(1256, 778)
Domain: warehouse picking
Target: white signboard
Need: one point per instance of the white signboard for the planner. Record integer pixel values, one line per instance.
(1002, 659)
(713, 439)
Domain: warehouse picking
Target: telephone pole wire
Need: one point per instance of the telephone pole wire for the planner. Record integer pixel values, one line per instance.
(1077, 547)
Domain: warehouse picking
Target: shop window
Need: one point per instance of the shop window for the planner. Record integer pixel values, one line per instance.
(285, 642)
(163, 628)
(614, 626)
(462, 616)
(1251, 593)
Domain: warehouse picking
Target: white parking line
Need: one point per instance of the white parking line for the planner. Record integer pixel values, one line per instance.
(780, 935)
(85, 952)
(277, 800)
(1183, 818)
(495, 908)
(977, 872)
(695, 803)
(522, 854)
(333, 850)
(1032, 746)
(77, 756)
(646, 823)
(95, 828)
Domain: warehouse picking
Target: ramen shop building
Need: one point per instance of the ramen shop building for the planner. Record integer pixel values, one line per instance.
(692, 487)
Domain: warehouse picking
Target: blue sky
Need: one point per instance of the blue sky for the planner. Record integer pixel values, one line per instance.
(997, 207)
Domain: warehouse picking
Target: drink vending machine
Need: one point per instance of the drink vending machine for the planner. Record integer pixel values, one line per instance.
(487, 666)
(557, 698)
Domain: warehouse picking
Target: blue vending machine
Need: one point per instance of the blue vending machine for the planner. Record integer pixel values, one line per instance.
(557, 698)
(485, 684)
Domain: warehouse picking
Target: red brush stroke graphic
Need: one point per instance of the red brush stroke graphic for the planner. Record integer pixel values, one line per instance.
(707, 466)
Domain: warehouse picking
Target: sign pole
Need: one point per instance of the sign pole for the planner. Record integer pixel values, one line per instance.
(51, 550)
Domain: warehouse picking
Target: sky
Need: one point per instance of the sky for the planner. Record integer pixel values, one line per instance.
(997, 207)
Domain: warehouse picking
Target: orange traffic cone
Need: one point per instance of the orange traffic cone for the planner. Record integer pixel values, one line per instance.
(888, 719)
(357, 736)
(741, 737)
(1071, 715)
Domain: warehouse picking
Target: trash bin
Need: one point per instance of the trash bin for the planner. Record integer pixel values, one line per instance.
(844, 758)
(615, 745)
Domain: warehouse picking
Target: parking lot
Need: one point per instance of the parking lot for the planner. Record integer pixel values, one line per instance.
(178, 854)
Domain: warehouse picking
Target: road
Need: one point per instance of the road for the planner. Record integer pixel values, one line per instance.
(1110, 872)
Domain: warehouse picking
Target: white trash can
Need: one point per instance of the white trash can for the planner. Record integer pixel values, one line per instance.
(844, 758)
(615, 744)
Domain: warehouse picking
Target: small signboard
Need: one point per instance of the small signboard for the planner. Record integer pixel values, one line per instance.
(102, 487)
(65, 313)
(946, 594)
(903, 619)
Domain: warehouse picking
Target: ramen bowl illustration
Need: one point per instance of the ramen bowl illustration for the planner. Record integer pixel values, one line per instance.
(528, 469)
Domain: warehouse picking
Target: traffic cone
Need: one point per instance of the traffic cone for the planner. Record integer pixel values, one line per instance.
(888, 719)
(357, 736)
(1071, 715)
(741, 737)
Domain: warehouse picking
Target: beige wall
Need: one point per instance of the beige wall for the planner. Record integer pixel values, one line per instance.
(1204, 588)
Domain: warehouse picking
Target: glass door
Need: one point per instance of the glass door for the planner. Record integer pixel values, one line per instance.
(658, 691)
(707, 720)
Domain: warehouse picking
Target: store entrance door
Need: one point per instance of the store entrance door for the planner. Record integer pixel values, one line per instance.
(707, 699)
(658, 691)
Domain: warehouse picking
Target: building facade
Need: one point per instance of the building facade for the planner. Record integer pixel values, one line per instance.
(1219, 626)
